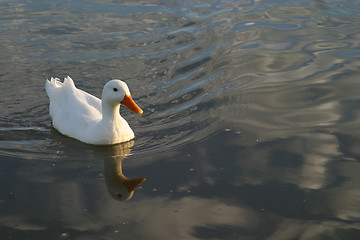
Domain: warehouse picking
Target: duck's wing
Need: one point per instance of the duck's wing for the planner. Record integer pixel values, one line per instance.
(71, 108)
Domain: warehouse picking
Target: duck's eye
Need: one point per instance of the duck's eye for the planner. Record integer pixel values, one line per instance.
(118, 195)
(115, 89)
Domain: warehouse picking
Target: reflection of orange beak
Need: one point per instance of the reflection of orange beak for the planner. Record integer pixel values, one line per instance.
(133, 183)
(130, 104)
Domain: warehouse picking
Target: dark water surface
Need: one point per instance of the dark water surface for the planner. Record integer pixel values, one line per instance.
(250, 129)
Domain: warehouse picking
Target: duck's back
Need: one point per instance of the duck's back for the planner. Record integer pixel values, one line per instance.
(72, 110)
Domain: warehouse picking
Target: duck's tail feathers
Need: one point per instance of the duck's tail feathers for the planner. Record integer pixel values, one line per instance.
(55, 83)
(69, 82)
(52, 84)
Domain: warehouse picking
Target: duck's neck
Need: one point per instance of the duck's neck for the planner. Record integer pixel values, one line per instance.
(111, 113)
(113, 169)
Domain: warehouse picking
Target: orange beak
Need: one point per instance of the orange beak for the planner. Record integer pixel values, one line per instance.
(133, 183)
(130, 104)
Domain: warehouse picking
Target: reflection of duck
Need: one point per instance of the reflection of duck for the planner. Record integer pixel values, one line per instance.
(80, 115)
(119, 186)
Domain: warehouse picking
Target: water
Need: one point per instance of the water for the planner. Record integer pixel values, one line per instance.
(250, 126)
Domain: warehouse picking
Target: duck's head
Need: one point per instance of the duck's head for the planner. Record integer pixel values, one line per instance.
(122, 188)
(116, 91)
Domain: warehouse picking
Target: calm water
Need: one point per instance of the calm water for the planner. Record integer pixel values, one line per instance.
(250, 129)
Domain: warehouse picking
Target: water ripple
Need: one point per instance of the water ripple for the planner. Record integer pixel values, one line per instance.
(275, 25)
(194, 68)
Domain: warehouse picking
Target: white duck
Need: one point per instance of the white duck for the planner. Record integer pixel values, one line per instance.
(80, 115)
